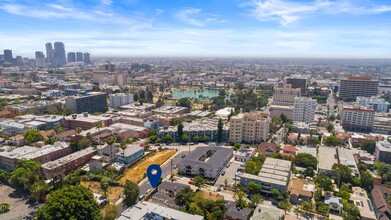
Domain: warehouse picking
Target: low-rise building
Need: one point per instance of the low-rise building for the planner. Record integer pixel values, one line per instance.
(327, 157)
(85, 121)
(277, 110)
(235, 213)
(346, 157)
(207, 162)
(171, 110)
(124, 130)
(65, 136)
(266, 148)
(130, 155)
(148, 210)
(380, 193)
(200, 128)
(359, 197)
(275, 174)
(301, 191)
(263, 212)
(120, 99)
(334, 203)
(289, 150)
(9, 160)
(383, 151)
(244, 154)
(61, 167)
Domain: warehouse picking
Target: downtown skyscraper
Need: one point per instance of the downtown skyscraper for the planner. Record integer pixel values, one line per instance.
(49, 54)
(59, 54)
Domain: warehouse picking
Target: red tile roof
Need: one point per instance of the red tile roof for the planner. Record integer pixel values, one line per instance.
(265, 146)
(289, 148)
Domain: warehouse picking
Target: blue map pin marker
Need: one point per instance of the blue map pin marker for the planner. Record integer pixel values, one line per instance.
(154, 172)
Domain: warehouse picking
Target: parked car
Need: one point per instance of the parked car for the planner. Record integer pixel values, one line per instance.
(223, 173)
(141, 197)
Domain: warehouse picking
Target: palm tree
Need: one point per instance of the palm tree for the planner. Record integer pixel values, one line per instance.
(123, 146)
(99, 126)
(78, 131)
(110, 141)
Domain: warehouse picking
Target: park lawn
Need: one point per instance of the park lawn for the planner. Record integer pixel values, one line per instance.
(138, 172)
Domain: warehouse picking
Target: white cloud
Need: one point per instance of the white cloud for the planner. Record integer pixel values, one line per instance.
(49, 11)
(106, 2)
(159, 11)
(190, 15)
(286, 12)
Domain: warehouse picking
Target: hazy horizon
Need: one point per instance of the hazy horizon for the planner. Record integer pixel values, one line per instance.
(327, 29)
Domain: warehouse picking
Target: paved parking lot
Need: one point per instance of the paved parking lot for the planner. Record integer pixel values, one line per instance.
(229, 174)
(19, 206)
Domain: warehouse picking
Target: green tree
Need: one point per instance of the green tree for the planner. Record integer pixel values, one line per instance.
(345, 195)
(330, 127)
(84, 143)
(283, 117)
(254, 188)
(256, 199)
(369, 146)
(185, 138)
(220, 130)
(78, 130)
(184, 197)
(343, 172)
(184, 102)
(366, 180)
(285, 205)
(323, 208)
(71, 202)
(206, 138)
(50, 141)
(4, 207)
(275, 193)
(237, 146)
(324, 182)
(199, 182)
(306, 160)
(32, 136)
(167, 138)
(152, 132)
(240, 199)
(104, 185)
(131, 193)
(38, 189)
(331, 141)
(109, 212)
(196, 138)
(58, 129)
(307, 206)
(350, 212)
(180, 131)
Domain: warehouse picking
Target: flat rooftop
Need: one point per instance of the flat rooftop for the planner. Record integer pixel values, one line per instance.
(69, 158)
(327, 157)
(47, 149)
(218, 155)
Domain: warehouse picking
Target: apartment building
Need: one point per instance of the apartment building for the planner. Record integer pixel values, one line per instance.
(61, 167)
(130, 155)
(92, 102)
(9, 160)
(327, 157)
(207, 162)
(383, 151)
(120, 99)
(378, 104)
(354, 86)
(85, 121)
(275, 174)
(304, 109)
(357, 119)
(300, 83)
(201, 128)
(285, 95)
(250, 127)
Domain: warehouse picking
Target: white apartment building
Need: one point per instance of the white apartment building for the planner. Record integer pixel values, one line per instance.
(304, 109)
(120, 99)
(378, 104)
(250, 127)
(285, 95)
(357, 119)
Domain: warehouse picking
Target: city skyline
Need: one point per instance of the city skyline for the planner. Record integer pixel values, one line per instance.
(268, 28)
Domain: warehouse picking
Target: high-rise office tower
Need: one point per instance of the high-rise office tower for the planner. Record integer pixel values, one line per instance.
(87, 59)
(355, 86)
(79, 56)
(8, 56)
(298, 83)
(59, 54)
(71, 57)
(40, 59)
(49, 54)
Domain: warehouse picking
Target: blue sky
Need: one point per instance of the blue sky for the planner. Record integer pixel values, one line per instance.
(246, 28)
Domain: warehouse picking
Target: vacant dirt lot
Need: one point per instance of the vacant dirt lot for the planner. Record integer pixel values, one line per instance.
(114, 192)
(137, 172)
